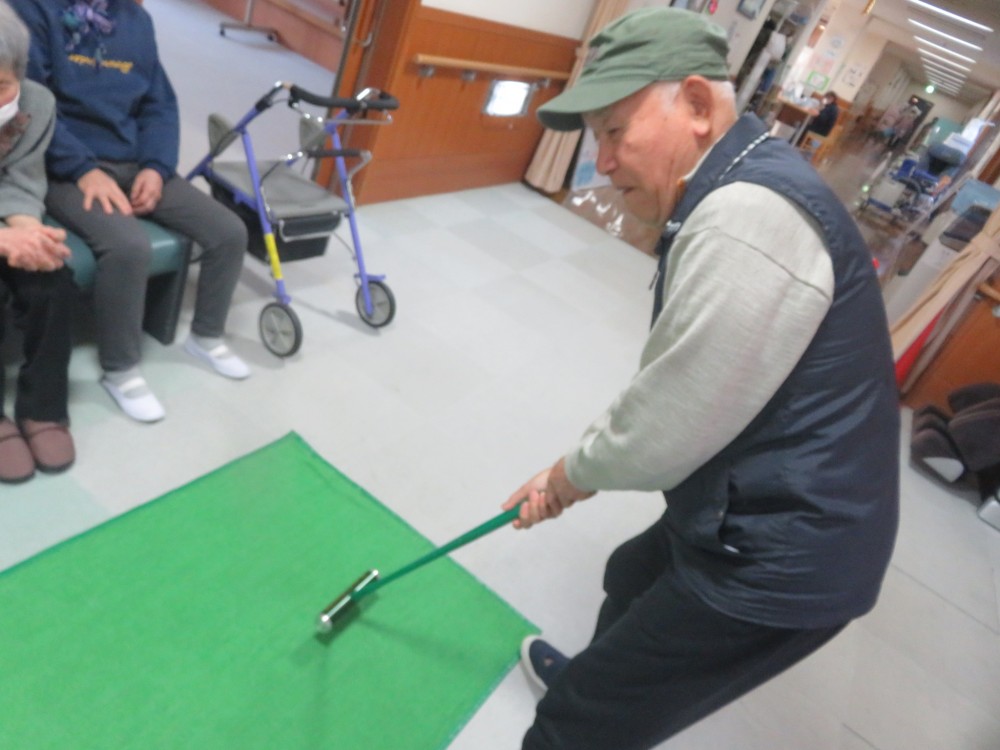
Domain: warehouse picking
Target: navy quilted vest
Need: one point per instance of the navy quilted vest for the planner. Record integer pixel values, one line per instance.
(793, 523)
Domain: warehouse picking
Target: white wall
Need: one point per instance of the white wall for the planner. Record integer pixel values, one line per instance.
(944, 105)
(741, 30)
(889, 83)
(833, 50)
(886, 83)
(561, 17)
(857, 64)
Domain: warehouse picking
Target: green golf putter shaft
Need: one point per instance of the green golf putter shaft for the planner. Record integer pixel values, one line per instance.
(470, 536)
(370, 580)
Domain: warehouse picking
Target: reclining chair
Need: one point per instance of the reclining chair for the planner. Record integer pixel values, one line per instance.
(963, 446)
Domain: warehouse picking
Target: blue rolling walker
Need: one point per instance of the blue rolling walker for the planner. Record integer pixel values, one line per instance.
(289, 216)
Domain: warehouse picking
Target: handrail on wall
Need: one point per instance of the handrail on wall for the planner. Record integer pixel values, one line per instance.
(428, 63)
(987, 291)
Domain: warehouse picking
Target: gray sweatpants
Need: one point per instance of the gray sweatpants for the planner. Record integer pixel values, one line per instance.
(123, 256)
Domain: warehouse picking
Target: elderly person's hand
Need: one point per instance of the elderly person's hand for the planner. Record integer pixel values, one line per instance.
(147, 189)
(97, 185)
(547, 495)
(33, 247)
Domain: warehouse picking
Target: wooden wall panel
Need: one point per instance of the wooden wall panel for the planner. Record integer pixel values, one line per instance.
(440, 141)
(970, 355)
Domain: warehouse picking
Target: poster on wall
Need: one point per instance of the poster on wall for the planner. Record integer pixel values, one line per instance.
(853, 76)
(817, 81)
(750, 8)
(697, 6)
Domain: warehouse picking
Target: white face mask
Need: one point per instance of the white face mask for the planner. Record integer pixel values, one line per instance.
(8, 110)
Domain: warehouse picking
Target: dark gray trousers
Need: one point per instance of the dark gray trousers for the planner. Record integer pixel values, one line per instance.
(123, 257)
(42, 302)
(661, 659)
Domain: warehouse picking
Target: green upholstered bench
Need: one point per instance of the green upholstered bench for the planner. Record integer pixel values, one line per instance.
(167, 276)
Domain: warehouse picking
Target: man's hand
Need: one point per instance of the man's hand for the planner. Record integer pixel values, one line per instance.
(547, 495)
(33, 248)
(97, 185)
(147, 189)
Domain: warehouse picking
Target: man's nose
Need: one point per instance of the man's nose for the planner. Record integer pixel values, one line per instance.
(605, 160)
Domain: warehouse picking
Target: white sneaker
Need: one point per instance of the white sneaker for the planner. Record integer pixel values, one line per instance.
(135, 399)
(220, 358)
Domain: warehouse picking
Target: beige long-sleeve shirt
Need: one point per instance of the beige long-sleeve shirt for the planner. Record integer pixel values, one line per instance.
(747, 284)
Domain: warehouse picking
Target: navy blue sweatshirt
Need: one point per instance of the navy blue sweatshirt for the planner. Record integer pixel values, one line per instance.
(114, 104)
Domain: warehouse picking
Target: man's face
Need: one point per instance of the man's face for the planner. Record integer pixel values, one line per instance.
(646, 146)
(9, 86)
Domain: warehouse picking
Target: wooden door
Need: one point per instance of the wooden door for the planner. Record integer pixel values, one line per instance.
(971, 355)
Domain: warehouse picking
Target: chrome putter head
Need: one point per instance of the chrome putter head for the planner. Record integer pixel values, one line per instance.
(326, 619)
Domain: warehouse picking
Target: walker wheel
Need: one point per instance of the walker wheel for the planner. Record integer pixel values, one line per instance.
(280, 329)
(383, 304)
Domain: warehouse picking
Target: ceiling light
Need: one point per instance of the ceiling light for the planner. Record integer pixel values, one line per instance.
(944, 49)
(931, 65)
(929, 88)
(944, 60)
(944, 82)
(955, 39)
(931, 73)
(950, 16)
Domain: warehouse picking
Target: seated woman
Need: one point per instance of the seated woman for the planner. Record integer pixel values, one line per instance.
(31, 271)
(824, 120)
(113, 158)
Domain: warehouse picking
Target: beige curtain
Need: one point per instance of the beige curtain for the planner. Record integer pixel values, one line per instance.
(554, 154)
(950, 295)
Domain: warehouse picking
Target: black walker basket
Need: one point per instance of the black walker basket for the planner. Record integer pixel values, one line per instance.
(297, 237)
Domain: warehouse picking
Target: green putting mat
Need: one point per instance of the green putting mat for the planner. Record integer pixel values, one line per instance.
(189, 623)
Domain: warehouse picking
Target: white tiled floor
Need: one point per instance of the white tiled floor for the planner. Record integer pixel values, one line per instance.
(517, 323)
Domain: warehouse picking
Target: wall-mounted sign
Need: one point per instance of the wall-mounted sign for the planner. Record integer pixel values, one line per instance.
(750, 8)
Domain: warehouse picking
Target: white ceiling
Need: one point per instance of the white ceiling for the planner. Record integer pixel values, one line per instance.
(891, 18)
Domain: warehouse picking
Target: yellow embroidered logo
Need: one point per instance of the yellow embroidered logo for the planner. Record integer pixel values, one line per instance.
(124, 66)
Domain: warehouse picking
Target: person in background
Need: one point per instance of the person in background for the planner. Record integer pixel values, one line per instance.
(886, 126)
(826, 117)
(113, 158)
(764, 390)
(903, 128)
(32, 272)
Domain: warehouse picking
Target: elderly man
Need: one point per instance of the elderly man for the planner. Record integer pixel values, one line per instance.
(764, 406)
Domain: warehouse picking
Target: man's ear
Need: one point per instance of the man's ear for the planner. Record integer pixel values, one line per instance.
(700, 98)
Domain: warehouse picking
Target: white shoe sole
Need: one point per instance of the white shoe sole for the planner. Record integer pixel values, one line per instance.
(526, 663)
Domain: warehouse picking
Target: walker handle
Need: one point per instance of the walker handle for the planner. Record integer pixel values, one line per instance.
(267, 100)
(383, 102)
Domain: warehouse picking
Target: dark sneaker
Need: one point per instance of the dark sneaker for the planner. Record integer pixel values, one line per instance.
(541, 662)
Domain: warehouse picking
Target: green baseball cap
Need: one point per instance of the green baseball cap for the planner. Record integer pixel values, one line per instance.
(640, 48)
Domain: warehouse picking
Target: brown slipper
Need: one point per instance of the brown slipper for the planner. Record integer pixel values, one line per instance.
(50, 443)
(16, 462)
